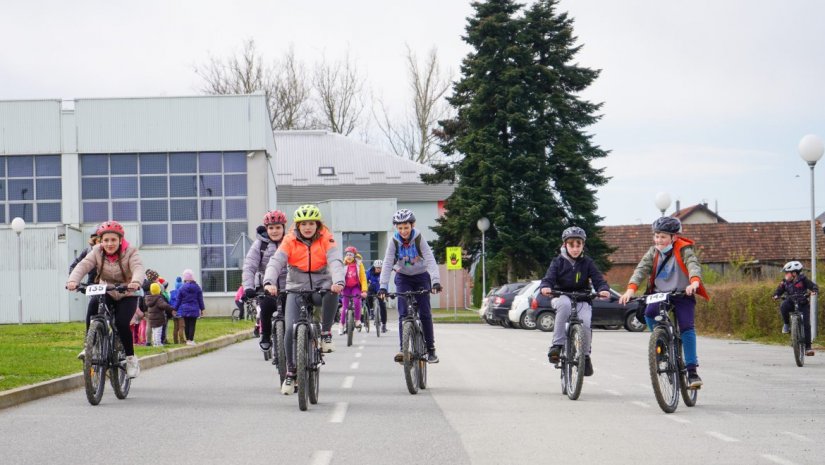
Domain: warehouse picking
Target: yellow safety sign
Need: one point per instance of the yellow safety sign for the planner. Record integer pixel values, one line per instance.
(454, 258)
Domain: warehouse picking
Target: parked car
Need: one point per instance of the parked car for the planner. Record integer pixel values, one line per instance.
(519, 315)
(500, 303)
(606, 313)
(482, 310)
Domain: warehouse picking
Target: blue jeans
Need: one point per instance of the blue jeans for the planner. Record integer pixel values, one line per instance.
(405, 283)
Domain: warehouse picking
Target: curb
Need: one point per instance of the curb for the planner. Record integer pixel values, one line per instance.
(32, 392)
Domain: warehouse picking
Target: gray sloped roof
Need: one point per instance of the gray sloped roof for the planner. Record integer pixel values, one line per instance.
(300, 154)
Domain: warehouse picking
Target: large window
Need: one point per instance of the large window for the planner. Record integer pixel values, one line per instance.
(178, 199)
(30, 188)
(367, 245)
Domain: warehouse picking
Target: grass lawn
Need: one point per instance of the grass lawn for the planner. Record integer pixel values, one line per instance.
(444, 315)
(33, 353)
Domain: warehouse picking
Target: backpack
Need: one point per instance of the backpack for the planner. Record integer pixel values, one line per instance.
(417, 246)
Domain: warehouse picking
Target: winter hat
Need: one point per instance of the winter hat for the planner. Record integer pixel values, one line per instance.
(178, 282)
(163, 283)
(154, 289)
(188, 275)
(151, 275)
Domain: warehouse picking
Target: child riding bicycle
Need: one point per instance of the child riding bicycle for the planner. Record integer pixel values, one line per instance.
(796, 285)
(572, 271)
(415, 269)
(355, 287)
(315, 262)
(373, 278)
(117, 263)
(671, 265)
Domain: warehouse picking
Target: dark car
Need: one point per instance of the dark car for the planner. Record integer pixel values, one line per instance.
(500, 302)
(606, 313)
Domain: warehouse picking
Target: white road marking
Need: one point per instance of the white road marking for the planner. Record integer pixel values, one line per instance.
(358, 354)
(321, 457)
(721, 436)
(778, 460)
(613, 392)
(617, 376)
(354, 366)
(591, 383)
(360, 347)
(677, 419)
(797, 436)
(339, 413)
(348, 381)
(640, 404)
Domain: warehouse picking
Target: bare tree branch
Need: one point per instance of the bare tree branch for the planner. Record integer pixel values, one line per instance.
(339, 90)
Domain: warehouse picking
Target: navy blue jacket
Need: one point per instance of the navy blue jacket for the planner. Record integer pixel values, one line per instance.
(573, 277)
(797, 289)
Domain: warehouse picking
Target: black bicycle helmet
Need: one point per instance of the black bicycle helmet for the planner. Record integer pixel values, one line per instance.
(573, 232)
(667, 225)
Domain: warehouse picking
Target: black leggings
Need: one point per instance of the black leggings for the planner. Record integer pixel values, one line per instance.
(805, 308)
(371, 299)
(268, 307)
(189, 327)
(124, 310)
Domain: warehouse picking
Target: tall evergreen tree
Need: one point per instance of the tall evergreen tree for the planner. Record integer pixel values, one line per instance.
(524, 160)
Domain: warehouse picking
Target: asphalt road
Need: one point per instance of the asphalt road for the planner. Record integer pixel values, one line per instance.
(493, 399)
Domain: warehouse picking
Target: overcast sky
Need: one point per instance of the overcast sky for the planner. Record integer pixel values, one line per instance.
(706, 100)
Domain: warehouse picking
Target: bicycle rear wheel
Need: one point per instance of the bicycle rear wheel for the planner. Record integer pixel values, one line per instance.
(280, 350)
(302, 357)
(117, 374)
(236, 315)
(663, 370)
(574, 365)
(94, 364)
(422, 360)
(411, 366)
(314, 375)
(350, 327)
(798, 340)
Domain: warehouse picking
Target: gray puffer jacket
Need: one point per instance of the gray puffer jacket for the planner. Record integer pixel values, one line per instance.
(255, 261)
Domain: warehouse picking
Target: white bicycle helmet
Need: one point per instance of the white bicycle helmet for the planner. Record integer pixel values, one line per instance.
(378, 264)
(792, 266)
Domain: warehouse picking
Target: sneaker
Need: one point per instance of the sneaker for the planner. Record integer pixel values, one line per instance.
(289, 385)
(809, 352)
(132, 366)
(383, 328)
(553, 354)
(588, 366)
(256, 332)
(431, 356)
(399, 357)
(190, 343)
(786, 329)
(265, 346)
(342, 331)
(358, 325)
(82, 355)
(327, 345)
(694, 381)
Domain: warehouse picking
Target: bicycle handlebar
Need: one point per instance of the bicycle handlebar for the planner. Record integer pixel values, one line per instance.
(575, 295)
(393, 295)
(122, 288)
(321, 292)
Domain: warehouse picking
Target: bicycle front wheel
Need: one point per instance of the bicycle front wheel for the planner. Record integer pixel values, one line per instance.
(411, 360)
(95, 362)
(377, 321)
(663, 371)
(798, 340)
(302, 359)
(280, 349)
(236, 315)
(574, 363)
(117, 374)
(350, 327)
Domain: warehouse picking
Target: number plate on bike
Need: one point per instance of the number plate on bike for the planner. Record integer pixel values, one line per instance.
(95, 289)
(656, 298)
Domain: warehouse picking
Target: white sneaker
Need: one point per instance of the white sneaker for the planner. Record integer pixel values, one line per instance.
(132, 366)
(341, 331)
(288, 387)
(327, 345)
(190, 343)
(82, 355)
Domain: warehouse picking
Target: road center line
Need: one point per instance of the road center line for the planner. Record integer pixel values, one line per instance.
(358, 354)
(640, 404)
(778, 460)
(321, 457)
(339, 413)
(348, 381)
(677, 419)
(721, 436)
(613, 392)
(354, 366)
(797, 436)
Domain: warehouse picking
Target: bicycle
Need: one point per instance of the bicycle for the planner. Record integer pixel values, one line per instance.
(412, 343)
(250, 311)
(365, 315)
(797, 333)
(350, 321)
(307, 348)
(104, 350)
(375, 306)
(668, 373)
(278, 332)
(572, 358)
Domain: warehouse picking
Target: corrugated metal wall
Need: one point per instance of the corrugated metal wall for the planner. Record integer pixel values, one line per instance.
(43, 294)
(30, 127)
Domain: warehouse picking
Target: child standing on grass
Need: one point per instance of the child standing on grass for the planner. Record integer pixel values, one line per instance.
(159, 311)
(178, 337)
(190, 305)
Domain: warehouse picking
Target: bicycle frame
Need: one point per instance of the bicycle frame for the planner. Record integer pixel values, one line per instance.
(671, 325)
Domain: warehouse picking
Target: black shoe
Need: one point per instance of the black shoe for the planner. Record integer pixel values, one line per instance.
(553, 354)
(431, 356)
(256, 333)
(694, 381)
(383, 328)
(588, 366)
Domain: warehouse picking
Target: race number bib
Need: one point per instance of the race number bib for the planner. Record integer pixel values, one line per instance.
(96, 289)
(656, 298)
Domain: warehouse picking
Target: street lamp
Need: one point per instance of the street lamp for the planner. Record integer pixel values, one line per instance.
(18, 225)
(483, 225)
(811, 149)
(662, 202)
